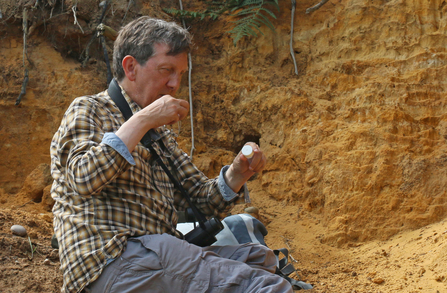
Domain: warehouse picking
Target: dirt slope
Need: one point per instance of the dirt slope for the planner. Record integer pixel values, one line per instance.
(355, 183)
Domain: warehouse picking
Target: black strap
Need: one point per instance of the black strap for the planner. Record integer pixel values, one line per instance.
(284, 269)
(116, 95)
(151, 136)
(199, 216)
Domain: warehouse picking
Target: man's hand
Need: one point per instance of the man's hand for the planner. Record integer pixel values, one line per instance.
(242, 168)
(164, 111)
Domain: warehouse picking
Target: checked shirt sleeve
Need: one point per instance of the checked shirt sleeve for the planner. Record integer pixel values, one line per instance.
(86, 162)
(205, 193)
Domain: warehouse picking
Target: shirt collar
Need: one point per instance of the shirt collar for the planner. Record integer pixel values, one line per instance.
(134, 107)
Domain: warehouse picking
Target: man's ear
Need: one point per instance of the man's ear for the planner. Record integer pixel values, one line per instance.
(130, 67)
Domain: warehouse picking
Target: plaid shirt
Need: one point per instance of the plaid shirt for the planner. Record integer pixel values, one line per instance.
(102, 198)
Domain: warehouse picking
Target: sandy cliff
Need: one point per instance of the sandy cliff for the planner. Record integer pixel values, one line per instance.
(356, 141)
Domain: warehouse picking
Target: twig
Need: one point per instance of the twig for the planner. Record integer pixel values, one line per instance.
(26, 203)
(86, 50)
(294, 260)
(189, 90)
(16, 7)
(42, 21)
(286, 241)
(100, 29)
(103, 4)
(190, 104)
(75, 19)
(292, 52)
(316, 7)
(24, 84)
(26, 77)
(25, 30)
(125, 14)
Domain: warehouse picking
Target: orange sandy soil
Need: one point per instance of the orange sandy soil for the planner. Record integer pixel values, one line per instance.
(355, 186)
(412, 261)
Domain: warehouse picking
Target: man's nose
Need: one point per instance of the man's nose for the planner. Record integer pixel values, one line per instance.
(174, 81)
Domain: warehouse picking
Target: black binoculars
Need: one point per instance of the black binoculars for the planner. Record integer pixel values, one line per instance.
(207, 235)
(204, 234)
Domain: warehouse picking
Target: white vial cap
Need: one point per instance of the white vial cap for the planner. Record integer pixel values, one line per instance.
(247, 151)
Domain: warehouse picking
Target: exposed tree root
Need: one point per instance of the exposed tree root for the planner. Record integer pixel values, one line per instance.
(316, 7)
(292, 52)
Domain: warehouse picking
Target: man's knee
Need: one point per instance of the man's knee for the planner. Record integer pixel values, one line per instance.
(263, 256)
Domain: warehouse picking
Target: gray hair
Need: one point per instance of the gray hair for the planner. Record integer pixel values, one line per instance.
(139, 36)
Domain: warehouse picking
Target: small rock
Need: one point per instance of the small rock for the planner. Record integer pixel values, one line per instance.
(18, 230)
(253, 211)
(378, 280)
(421, 272)
(36, 182)
(47, 200)
(47, 262)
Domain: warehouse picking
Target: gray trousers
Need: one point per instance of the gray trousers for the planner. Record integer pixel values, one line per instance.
(165, 264)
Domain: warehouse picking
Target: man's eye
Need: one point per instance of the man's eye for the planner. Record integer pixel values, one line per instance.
(166, 70)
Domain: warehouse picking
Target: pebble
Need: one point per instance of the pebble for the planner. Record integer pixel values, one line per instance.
(18, 230)
(253, 211)
(378, 280)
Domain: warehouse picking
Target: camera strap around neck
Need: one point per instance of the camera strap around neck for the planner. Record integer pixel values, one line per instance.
(114, 91)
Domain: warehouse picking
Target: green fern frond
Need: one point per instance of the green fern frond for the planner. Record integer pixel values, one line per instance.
(190, 14)
(252, 14)
(249, 2)
(250, 10)
(264, 20)
(253, 17)
(268, 12)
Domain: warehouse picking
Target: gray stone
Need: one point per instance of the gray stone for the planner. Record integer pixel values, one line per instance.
(18, 230)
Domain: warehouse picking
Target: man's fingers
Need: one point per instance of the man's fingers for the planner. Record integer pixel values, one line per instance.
(184, 104)
(178, 106)
(258, 163)
(182, 112)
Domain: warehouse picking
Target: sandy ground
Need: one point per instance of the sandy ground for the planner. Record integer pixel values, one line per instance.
(412, 261)
(356, 143)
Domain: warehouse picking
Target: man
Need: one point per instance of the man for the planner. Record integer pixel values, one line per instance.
(115, 214)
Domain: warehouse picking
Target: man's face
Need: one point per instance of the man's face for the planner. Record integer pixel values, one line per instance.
(161, 75)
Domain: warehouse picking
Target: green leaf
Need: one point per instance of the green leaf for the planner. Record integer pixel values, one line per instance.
(266, 21)
(268, 11)
(251, 14)
(251, 2)
(275, 3)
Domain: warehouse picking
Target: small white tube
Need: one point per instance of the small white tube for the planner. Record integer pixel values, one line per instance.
(247, 151)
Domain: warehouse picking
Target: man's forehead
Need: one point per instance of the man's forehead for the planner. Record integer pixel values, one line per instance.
(161, 48)
(162, 57)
